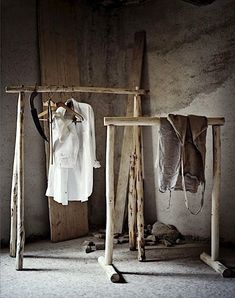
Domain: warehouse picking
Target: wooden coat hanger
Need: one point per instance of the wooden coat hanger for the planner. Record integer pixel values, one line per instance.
(56, 105)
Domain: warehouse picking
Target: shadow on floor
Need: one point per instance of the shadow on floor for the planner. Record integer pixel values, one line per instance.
(40, 269)
(174, 275)
(60, 257)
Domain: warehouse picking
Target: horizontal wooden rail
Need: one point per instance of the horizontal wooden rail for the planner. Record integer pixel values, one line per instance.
(149, 121)
(52, 89)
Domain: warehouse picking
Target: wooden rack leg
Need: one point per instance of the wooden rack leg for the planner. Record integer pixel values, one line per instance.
(20, 184)
(139, 182)
(14, 189)
(140, 205)
(215, 204)
(212, 260)
(132, 205)
(106, 262)
(109, 195)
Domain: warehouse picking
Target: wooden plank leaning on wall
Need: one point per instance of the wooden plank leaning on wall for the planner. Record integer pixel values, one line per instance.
(60, 66)
(127, 145)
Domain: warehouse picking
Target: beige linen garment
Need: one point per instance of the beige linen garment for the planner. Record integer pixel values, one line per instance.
(182, 151)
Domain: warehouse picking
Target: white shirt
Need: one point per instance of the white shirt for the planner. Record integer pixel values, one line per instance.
(74, 155)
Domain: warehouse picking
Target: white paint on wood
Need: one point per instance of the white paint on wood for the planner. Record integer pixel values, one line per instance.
(109, 194)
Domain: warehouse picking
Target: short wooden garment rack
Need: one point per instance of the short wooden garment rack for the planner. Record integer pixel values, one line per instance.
(107, 260)
(17, 233)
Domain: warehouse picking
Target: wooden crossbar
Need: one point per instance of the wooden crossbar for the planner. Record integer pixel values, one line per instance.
(52, 89)
(150, 121)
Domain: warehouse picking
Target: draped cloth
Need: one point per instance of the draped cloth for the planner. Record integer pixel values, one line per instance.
(182, 152)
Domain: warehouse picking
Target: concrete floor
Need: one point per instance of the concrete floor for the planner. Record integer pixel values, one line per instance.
(65, 270)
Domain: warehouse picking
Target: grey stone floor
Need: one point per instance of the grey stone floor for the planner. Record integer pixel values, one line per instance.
(65, 270)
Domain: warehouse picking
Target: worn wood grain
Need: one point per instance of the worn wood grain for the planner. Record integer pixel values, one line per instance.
(132, 204)
(80, 89)
(112, 274)
(127, 145)
(137, 139)
(14, 188)
(60, 66)
(215, 201)
(216, 265)
(150, 121)
(110, 216)
(20, 184)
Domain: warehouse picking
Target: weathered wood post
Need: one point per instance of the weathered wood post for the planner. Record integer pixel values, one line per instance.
(14, 188)
(127, 145)
(106, 261)
(213, 259)
(139, 182)
(132, 204)
(215, 193)
(20, 183)
(109, 194)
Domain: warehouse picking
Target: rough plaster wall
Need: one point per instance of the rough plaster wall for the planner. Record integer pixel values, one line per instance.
(189, 68)
(20, 65)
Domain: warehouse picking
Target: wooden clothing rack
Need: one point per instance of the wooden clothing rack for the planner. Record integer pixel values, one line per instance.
(107, 261)
(17, 233)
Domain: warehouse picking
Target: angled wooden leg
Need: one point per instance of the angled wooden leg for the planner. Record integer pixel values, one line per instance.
(20, 185)
(132, 205)
(14, 189)
(106, 261)
(140, 205)
(13, 210)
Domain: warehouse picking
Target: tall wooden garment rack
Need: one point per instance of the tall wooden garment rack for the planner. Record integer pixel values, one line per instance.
(107, 261)
(17, 236)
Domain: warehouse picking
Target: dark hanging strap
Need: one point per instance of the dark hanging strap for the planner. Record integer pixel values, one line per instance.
(34, 114)
(50, 120)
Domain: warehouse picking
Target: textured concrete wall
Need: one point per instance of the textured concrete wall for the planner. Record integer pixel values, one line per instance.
(20, 65)
(189, 68)
(189, 65)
